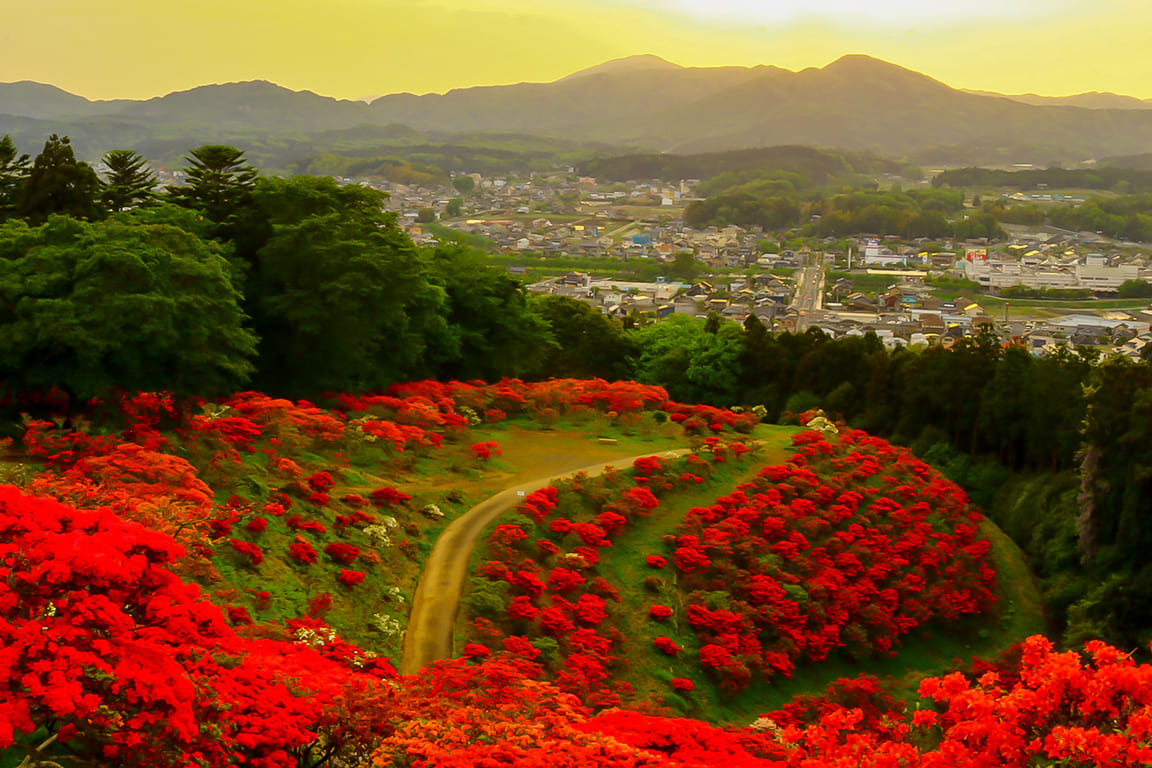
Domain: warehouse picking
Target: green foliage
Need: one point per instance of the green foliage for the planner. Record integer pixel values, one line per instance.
(119, 304)
(464, 184)
(130, 181)
(585, 343)
(13, 174)
(1139, 181)
(1024, 292)
(695, 365)
(488, 327)
(337, 292)
(1135, 289)
(58, 183)
(219, 182)
(803, 165)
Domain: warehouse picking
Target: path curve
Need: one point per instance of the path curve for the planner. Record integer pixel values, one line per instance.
(433, 617)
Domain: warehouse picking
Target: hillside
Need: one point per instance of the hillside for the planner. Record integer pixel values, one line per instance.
(856, 102)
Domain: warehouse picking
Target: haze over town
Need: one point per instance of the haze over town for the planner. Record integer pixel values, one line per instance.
(353, 48)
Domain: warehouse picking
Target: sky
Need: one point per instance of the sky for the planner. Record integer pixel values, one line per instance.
(362, 48)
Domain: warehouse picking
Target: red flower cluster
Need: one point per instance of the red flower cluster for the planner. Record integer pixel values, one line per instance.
(301, 551)
(848, 565)
(389, 497)
(484, 451)
(341, 552)
(350, 578)
(255, 554)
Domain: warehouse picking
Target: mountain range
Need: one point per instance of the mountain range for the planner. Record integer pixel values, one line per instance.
(640, 103)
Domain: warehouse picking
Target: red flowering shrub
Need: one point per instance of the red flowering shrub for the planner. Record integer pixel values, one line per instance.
(103, 647)
(298, 523)
(666, 646)
(254, 553)
(301, 551)
(350, 578)
(485, 451)
(655, 561)
(389, 497)
(660, 612)
(475, 651)
(321, 482)
(682, 684)
(342, 553)
(256, 525)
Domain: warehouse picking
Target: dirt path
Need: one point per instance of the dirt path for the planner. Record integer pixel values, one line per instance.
(433, 617)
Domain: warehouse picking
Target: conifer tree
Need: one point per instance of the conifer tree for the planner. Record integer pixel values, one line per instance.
(130, 181)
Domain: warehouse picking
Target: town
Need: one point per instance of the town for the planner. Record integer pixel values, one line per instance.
(878, 283)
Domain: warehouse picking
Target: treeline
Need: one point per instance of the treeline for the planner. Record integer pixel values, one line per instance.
(1123, 180)
(816, 166)
(295, 286)
(913, 213)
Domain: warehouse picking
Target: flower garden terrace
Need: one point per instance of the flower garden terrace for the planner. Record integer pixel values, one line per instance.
(300, 525)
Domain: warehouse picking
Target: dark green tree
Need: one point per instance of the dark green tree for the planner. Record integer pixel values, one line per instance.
(454, 207)
(338, 294)
(13, 174)
(464, 184)
(219, 182)
(118, 304)
(129, 182)
(490, 329)
(586, 343)
(59, 183)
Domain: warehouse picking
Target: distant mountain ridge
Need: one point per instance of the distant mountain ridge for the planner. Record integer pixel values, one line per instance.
(640, 102)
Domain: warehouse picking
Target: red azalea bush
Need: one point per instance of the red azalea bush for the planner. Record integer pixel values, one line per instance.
(666, 645)
(254, 553)
(302, 551)
(350, 578)
(486, 450)
(660, 612)
(389, 497)
(342, 553)
(256, 525)
(298, 523)
(655, 561)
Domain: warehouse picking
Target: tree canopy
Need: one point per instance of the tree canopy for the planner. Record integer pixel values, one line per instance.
(88, 307)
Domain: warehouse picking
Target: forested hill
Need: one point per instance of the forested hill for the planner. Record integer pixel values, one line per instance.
(815, 165)
(855, 102)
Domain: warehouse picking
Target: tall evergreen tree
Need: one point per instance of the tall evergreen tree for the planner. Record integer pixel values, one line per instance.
(130, 181)
(59, 183)
(219, 182)
(13, 174)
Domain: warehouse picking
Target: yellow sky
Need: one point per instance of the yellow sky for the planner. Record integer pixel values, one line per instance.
(356, 48)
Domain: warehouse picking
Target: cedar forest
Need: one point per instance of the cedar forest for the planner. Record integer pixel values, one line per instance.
(236, 416)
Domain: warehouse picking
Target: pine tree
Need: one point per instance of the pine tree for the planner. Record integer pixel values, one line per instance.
(13, 174)
(130, 181)
(220, 182)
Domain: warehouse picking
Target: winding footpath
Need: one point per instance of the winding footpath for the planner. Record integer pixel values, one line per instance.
(433, 617)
